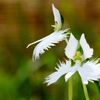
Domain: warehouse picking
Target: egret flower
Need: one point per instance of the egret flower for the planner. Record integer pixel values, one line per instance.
(50, 40)
(89, 70)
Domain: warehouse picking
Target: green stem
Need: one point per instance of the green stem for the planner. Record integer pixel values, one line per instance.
(85, 92)
(70, 90)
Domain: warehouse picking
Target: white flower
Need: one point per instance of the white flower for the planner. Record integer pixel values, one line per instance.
(78, 57)
(50, 40)
(89, 71)
(73, 45)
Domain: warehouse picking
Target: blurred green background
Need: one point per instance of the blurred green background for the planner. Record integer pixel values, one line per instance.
(24, 21)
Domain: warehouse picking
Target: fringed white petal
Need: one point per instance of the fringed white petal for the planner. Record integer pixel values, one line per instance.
(95, 67)
(87, 51)
(62, 69)
(84, 73)
(48, 42)
(57, 16)
(90, 71)
(71, 47)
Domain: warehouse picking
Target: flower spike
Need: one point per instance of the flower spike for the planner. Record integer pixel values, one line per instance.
(76, 51)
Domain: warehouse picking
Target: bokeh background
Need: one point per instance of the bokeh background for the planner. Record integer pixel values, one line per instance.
(24, 21)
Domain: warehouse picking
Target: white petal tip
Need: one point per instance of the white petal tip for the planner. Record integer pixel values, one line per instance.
(53, 5)
(34, 42)
(57, 16)
(88, 52)
(67, 76)
(86, 83)
(45, 82)
(30, 44)
(35, 58)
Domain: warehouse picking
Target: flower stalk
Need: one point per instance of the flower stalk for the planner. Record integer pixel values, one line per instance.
(85, 92)
(70, 90)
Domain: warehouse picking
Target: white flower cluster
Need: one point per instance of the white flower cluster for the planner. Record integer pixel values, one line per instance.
(76, 51)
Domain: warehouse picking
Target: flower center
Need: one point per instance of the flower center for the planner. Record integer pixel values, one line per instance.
(78, 56)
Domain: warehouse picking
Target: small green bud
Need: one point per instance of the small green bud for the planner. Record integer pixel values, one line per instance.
(57, 27)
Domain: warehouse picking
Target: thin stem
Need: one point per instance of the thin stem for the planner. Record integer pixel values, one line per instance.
(70, 90)
(85, 92)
